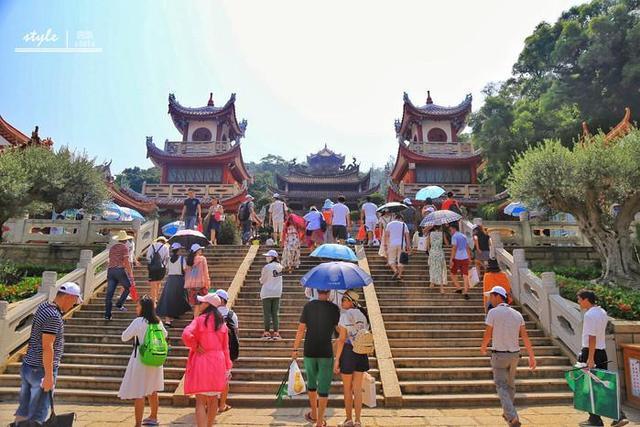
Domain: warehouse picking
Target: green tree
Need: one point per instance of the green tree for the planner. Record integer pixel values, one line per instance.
(134, 177)
(598, 182)
(34, 180)
(584, 67)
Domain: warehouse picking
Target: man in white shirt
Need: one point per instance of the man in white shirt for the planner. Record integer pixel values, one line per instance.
(341, 221)
(369, 218)
(278, 214)
(504, 328)
(396, 241)
(156, 264)
(594, 353)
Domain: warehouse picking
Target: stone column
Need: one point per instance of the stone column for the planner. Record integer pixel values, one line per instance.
(48, 285)
(549, 287)
(82, 237)
(525, 228)
(86, 256)
(519, 261)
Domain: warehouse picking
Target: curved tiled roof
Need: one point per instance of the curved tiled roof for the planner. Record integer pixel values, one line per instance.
(351, 177)
(11, 134)
(436, 111)
(180, 114)
(430, 111)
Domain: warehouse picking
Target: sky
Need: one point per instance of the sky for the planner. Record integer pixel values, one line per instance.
(304, 73)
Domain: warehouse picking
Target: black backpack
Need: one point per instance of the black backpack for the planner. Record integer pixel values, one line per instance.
(244, 212)
(234, 341)
(323, 223)
(155, 266)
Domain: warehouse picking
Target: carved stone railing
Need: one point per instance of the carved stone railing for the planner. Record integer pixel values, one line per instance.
(558, 317)
(61, 231)
(468, 191)
(91, 272)
(180, 190)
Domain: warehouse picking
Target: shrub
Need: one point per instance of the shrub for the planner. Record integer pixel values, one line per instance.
(9, 273)
(580, 273)
(26, 288)
(31, 269)
(229, 234)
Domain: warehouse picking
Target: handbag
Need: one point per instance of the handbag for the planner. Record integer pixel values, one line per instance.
(474, 277)
(404, 256)
(55, 420)
(369, 390)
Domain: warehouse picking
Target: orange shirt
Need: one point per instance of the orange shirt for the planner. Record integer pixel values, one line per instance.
(328, 216)
(496, 279)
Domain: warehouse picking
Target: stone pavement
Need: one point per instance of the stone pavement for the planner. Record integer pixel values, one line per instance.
(97, 416)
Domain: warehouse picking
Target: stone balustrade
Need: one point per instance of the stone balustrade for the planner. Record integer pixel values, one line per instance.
(467, 191)
(91, 272)
(180, 190)
(61, 231)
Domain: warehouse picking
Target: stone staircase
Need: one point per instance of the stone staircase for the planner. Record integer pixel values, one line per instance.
(262, 364)
(435, 340)
(95, 358)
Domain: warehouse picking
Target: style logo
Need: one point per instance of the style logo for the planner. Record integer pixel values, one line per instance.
(49, 41)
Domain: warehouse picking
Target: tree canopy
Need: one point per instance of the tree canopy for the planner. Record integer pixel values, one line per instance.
(598, 182)
(584, 67)
(35, 179)
(134, 177)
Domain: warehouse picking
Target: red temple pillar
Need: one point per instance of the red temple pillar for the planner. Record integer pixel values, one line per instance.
(474, 174)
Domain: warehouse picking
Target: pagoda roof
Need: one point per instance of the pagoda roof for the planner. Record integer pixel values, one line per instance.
(181, 114)
(325, 194)
(430, 111)
(406, 156)
(346, 177)
(326, 153)
(160, 157)
(18, 139)
(122, 197)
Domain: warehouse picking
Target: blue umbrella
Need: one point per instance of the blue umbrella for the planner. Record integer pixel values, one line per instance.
(110, 212)
(172, 228)
(129, 214)
(336, 275)
(430, 192)
(334, 251)
(515, 208)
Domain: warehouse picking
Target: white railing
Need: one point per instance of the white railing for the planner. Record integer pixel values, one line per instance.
(62, 231)
(536, 233)
(91, 272)
(558, 317)
(468, 191)
(201, 190)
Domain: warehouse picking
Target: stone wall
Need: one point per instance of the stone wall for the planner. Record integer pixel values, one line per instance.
(567, 256)
(45, 254)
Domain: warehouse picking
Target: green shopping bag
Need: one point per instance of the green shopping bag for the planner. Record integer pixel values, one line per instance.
(595, 391)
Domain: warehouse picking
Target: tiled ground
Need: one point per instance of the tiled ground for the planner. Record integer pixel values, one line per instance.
(96, 416)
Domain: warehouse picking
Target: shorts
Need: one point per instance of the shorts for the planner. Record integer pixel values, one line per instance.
(371, 225)
(340, 232)
(214, 226)
(192, 293)
(351, 362)
(393, 254)
(33, 403)
(482, 255)
(461, 265)
(319, 372)
(278, 226)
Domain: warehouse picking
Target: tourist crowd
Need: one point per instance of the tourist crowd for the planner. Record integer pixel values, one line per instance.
(334, 325)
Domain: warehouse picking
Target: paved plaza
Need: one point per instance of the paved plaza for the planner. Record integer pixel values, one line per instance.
(103, 415)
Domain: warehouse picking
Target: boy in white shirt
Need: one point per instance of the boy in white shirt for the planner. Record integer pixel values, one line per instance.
(369, 218)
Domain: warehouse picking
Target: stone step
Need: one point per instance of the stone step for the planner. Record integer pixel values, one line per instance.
(471, 361)
(539, 350)
(475, 373)
(451, 333)
(436, 326)
(86, 382)
(449, 386)
(490, 399)
(82, 395)
(118, 370)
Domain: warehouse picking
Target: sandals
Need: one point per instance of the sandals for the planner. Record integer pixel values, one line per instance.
(150, 422)
(307, 417)
(275, 336)
(347, 423)
(225, 409)
(266, 336)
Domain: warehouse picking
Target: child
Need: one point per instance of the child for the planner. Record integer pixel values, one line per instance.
(209, 364)
(270, 293)
(197, 281)
(139, 380)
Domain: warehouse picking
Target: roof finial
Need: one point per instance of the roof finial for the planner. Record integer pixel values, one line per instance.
(210, 103)
(429, 100)
(325, 145)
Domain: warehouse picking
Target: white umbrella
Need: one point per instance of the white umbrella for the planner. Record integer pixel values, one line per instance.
(392, 207)
(440, 217)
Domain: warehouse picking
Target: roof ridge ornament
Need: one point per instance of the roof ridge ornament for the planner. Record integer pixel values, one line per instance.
(429, 100)
(210, 103)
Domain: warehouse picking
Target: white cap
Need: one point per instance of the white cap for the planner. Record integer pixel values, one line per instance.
(196, 247)
(272, 253)
(497, 290)
(276, 195)
(222, 294)
(71, 288)
(176, 245)
(210, 298)
(249, 197)
(407, 201)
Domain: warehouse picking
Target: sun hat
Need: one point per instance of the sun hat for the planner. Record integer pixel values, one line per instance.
(407, 201)
(497, 290)
(161, 239)
(71, 288)
(196, 247)
(328, 204)
(176, 245)
(272, 253)
(493, 266)
(210, 298)
(122, 236)
(222, 294)
(351, 296)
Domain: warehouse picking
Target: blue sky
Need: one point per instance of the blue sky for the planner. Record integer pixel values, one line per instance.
(305, 73)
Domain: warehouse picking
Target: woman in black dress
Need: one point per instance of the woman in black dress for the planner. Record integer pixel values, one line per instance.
(173, 301)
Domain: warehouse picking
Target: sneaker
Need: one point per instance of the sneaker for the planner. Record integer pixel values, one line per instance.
(466, 296)
(589, 423)
(150, 422)
(123, 308)
(621, 422)
(107, 317)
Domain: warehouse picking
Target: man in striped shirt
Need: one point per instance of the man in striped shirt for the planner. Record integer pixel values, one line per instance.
(119, 272)
(40, 364)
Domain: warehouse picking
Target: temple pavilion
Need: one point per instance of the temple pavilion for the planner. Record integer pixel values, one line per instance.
(430, 152)
(324, 176)
(207, 157)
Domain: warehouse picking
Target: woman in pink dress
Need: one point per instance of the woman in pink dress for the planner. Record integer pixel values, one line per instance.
(209, 365)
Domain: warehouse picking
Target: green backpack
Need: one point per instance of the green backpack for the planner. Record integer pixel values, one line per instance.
(154, 349)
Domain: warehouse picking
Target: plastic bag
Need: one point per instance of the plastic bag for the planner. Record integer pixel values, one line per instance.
(474, 277)
(369, 390)
(422, 244)
(296, 383)
(362, 233)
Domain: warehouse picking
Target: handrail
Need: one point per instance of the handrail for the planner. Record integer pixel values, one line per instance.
(91, 272)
